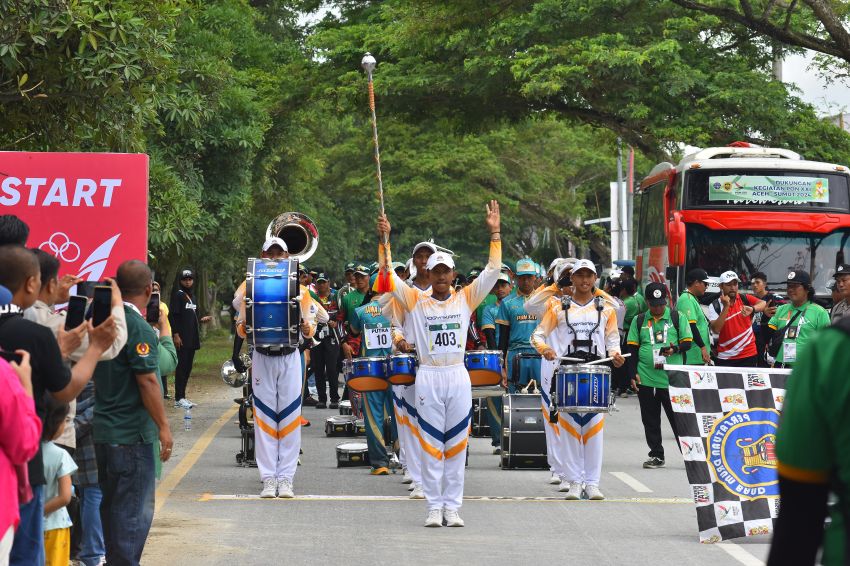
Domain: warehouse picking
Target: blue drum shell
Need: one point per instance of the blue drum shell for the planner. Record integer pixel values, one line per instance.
(278, 288)
(367, 374)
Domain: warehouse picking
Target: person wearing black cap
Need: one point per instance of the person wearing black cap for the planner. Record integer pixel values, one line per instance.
(689, 307)
(325, 354)
(183, 316)
(656, 338)
(790, 330)
(842, 283)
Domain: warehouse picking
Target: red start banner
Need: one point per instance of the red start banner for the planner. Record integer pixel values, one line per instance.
(90, 210)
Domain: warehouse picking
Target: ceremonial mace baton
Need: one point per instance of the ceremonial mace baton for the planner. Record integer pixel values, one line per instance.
(368, 63)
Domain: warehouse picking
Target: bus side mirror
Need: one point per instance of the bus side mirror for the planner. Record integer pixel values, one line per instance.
(676, 240)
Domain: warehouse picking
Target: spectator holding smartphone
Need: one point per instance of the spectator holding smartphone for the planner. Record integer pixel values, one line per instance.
(21, 274)
(20, 431)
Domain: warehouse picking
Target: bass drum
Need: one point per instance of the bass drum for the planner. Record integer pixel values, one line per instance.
(272, 311)
(523, 432)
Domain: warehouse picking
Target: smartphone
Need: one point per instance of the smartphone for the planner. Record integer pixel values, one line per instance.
(76, 311)
(11, 357)
(86, 288)
(152, 314)
(101, 304)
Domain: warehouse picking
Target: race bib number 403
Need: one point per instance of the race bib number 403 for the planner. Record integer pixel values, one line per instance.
(445, 338)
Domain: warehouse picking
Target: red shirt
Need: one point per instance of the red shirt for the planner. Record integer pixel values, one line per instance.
(737, 339)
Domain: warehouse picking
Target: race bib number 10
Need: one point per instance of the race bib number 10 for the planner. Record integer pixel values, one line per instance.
(377, 337)
(445, 338)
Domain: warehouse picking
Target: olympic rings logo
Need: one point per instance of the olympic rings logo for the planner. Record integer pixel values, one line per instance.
(59, 247)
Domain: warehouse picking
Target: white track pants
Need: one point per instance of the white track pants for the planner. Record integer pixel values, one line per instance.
(444, 407)
(553, 430)
(277, 413)
(401, 422)
(412, 449)
(580, 446)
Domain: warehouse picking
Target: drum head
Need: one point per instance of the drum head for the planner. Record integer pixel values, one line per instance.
(352, 447)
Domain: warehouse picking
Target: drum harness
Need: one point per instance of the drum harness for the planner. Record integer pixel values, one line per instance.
(590, 355)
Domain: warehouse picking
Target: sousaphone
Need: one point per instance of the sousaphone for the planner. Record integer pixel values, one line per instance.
(298, 231)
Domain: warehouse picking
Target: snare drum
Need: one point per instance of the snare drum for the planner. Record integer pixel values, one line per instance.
(345, 408)
(339, 425)
(366, 374)
(272, 312)
(583, 389)
(352, 454)
(401, 369)
(484, 367)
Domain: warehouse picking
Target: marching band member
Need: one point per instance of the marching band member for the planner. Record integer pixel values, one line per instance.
(374, 329)
(276, 375)
(443, 392)
(491, 330)
(585, 327)
(516, 328)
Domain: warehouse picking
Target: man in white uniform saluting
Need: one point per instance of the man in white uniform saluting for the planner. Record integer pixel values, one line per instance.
(439, 322)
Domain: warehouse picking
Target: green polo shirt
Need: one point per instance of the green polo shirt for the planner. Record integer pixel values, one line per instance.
(645, 338)
(812, 318)
(634, 307)
(688, 307)
(350, 302)
(490, 299)
(119, 415)
(814, 432)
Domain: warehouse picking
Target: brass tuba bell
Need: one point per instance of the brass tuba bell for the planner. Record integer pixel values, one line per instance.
(298, 231)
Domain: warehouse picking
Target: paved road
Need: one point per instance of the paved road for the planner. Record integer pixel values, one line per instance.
(207, 513)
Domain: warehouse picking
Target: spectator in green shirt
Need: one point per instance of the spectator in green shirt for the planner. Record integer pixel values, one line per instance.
(129, 416)
(813, 460)
(633, 301)
(654, 340)
(798, 320)
(689, 307)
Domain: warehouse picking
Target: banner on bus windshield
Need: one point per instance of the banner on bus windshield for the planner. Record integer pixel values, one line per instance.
(760, 188)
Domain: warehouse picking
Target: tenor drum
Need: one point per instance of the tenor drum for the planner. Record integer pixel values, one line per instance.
(366, 374)
(523, 433)
(583, 388)
(352, 454)
(272, 312)
(484, 367)
(401, 369)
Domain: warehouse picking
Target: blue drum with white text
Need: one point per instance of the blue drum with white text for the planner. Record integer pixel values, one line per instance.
(583, 388)
(272, 311)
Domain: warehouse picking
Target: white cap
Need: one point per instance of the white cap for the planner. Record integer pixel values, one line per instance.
(420, 245)
(555, 263)
(507, 278)
(584, 264)
(729, 276)
(275, 242)
(411, 269)
(438, 259)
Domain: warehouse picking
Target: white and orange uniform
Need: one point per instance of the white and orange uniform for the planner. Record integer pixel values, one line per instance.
(443, 391)
(276, 384)
(578, 443)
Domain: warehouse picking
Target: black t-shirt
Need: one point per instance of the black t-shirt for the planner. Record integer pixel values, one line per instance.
(49, 373)
(183, 316)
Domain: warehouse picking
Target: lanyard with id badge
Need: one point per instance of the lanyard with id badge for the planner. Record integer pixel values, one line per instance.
(445, 338)
(789, 345)
(658, 339)
(377, 336)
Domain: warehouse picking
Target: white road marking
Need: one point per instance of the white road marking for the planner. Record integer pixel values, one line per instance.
(252, 496)
(631, 482)
(739, 554)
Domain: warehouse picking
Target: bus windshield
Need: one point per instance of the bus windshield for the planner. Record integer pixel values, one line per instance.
(766, 189)
(773, 253)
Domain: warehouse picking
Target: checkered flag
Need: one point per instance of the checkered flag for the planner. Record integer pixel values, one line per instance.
(727, 420)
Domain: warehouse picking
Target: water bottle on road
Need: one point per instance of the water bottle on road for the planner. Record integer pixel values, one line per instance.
(187, 419)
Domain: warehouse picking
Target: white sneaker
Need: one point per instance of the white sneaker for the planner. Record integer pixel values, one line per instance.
(406, 478)
(182, 404)
(554, 480)
(574, 492)
(434, 518)
(410, 486)
(269, 488)
(191, 403)
(417, 493)
(452, 518)
(564, 486)
(284, 488)
(593, 493)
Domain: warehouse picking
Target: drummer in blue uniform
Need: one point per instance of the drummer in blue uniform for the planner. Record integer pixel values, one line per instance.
(517, 328)
(376, 341)
(490, 329)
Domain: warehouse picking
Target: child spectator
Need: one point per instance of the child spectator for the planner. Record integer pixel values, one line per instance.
(58, 467)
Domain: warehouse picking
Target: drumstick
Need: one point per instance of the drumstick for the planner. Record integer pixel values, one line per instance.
(603, 360)
(569, 359)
